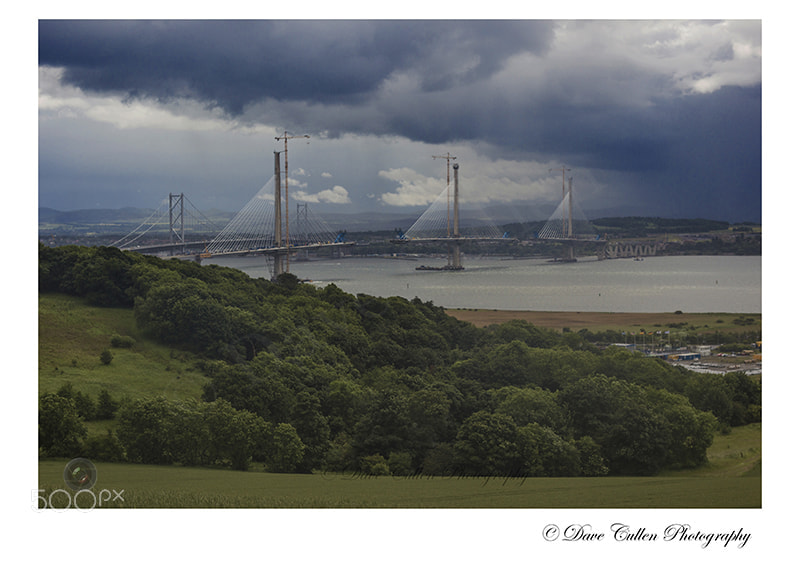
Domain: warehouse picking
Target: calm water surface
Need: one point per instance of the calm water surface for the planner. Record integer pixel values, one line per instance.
(656, 284)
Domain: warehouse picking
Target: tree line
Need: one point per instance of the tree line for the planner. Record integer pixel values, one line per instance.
(303, 378)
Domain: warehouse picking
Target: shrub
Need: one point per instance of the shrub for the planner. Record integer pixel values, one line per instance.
(105, 448)
(83, 403)
(400, 464)
(106, 356)
(375, 465)
(118, 341)
(440, 460)
(106, 406)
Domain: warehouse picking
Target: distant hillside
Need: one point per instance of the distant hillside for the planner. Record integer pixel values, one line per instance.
(106, 220)
(103, 223)
(90, 216)
(368, 221)
(643, 225)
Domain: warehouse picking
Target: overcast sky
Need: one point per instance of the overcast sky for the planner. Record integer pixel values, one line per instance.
(655, 118)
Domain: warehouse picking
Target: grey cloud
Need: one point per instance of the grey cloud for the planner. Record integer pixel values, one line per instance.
(231, 64)
(614, 98)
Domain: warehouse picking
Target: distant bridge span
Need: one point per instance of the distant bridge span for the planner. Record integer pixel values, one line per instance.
(258, 228)
(620, 249)
(261, 228)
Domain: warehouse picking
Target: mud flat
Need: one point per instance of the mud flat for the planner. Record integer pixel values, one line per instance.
(595, 321)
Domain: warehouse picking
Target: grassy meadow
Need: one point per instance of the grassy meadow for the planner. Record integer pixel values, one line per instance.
(731, 479)
(72, 335)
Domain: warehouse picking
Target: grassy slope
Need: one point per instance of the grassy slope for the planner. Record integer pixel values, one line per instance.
(71, 337)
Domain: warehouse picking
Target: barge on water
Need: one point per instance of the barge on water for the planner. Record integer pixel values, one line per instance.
(443, 268)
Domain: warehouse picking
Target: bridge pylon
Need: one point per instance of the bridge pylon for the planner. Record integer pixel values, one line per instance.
(454, 249)
(280, 260)
(177, 228)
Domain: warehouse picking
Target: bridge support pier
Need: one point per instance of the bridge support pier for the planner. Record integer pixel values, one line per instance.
(454, 256)
(279, 264)
(569, 253)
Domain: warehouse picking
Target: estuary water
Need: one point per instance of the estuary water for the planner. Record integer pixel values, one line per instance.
(654, 284)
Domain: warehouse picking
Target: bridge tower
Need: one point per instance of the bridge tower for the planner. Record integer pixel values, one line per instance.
(286, 137)
(279, 258)
(176, 223)
(570, 250)
(564, 169)
(448, 157)
(454, 248)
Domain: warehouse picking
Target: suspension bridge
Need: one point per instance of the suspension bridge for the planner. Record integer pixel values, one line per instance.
(263, 226)
(186, 228)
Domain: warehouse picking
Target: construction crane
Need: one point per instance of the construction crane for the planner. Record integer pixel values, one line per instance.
(563, 194)
(286, 137)
(448, 157)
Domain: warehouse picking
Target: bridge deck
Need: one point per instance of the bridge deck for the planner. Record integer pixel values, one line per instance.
(272, 250)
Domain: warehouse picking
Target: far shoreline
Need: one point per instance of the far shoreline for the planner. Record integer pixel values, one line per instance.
(594, 321)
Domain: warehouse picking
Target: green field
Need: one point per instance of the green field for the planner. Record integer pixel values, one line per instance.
(731, 479)
(72, 335)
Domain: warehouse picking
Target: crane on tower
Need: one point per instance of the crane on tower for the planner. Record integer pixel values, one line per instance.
(563, 194)
(448, 157)
(286, 137)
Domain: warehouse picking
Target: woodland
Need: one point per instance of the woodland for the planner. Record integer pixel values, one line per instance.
(303, 378)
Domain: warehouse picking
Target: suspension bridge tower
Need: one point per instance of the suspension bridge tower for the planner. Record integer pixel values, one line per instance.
(177, 228)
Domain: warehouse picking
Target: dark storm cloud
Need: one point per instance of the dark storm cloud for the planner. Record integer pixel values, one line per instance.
(231, 64)
(665, 114)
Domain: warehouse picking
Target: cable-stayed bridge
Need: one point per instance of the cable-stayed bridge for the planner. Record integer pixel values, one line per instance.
(567, 225)
(260, 227)
(437, 224)
(264, 226)
(256, 228)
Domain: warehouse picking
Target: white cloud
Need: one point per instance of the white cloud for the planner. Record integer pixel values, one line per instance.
(58, 100)
(336, 195)
(295, 183)
(631, 62)
(481, 182)
(415, 189)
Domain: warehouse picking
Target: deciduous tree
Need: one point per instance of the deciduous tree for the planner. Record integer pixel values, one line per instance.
(61, 429)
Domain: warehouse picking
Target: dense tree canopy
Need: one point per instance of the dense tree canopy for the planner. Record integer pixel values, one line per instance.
(61, 428)
(304, 378)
